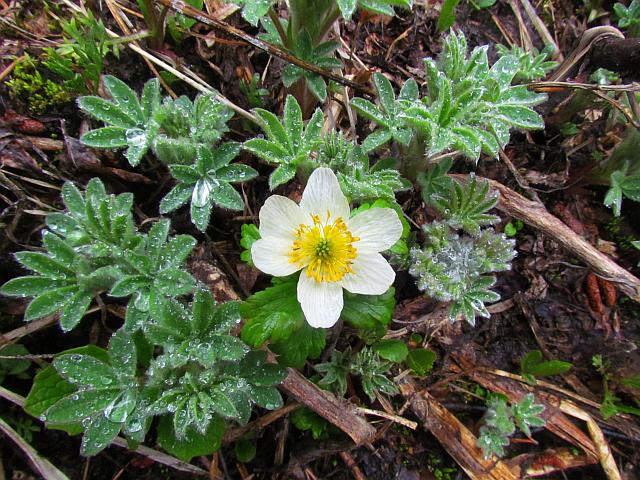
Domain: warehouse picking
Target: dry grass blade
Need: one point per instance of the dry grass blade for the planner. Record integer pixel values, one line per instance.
(604, 452)
(456, 439)
(44, 467)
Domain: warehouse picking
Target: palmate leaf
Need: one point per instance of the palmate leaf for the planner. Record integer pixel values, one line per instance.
(320, 55)
(471, 106)
(466, 205)
(207, 183)
(288, 142)
(387, 114)
(358, 180)
(129, 123)
(100, 392)
(452, 266)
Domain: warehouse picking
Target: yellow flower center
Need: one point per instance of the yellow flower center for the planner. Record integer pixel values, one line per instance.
(325, 249)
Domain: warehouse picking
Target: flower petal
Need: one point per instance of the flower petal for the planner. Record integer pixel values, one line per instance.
(372, 275)
(321, 302)
(378, 229)
(270, 255)
(280, 216)
(322, 194)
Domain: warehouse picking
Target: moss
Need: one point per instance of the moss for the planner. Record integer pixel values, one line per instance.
(42, 94)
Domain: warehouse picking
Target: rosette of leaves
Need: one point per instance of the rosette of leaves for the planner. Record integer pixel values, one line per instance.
(500, 420)
(533, 65)
(94, 247)
(208, 183)
(320, 55)
(358, 180)
(173, 129)
(184, 125)
(206, 374)
(200, 377)
(471, 107)
(289, 143)
(391, 126)
(461, 250)
(365, 364)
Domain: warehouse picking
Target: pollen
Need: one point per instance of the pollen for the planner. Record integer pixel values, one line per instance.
(325, 248)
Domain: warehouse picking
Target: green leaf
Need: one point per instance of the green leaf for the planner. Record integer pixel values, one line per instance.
(526, 414)
(98, 434)
(174, 282)
(44, 265)
(80, 405)
(178, 196)
(534, 364)
(249, 235)
(30, 286)
(386, 95)
(226, 196)
(85, 370)
(281, 175)
(106, 112)
(193, 444)
(273, 313)
(73, 199)
(393, 350)
(368, 311)
(75, 309)
(421, 360)
(245, 450)
(254, 10)
(122, 354)
(107, 137)
(266, 397)
(236, 173)
(306, 342)
(151, 98)
(125, 98)
(305, 419)
(200, 216)
(347, 8)
(49, 387)
(49, 302)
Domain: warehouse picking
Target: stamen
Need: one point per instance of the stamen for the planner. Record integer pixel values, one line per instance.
(325, 249)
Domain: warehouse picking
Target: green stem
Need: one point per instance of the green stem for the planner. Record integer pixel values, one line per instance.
(153, 22)
(413, 159)
(331, 17)
(276, 22)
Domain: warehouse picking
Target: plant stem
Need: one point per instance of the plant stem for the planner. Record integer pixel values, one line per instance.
(276, 22)
(331, 17)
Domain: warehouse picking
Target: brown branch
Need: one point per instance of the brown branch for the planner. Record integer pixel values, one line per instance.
(337, 411)
(202, 17)
(621, 55)
(537, 216)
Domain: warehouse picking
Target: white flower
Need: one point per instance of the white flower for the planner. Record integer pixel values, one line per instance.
(333, 250)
